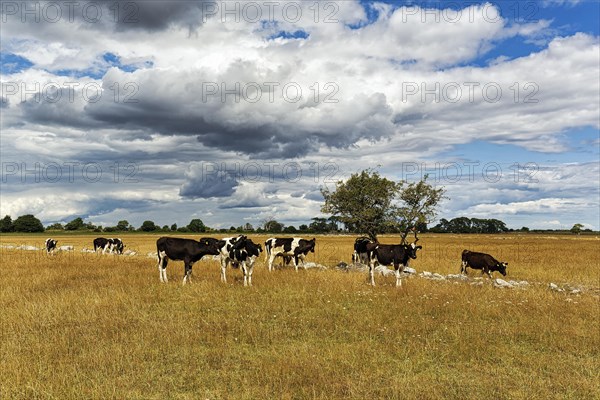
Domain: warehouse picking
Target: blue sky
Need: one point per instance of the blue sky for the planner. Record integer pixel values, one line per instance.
(233, 120)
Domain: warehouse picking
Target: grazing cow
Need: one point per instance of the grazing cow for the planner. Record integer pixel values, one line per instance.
(397, 255)
(239, 250)
(117, 245)
(296, 248)
(363, 247)
(50, 245)
(101, 243)
(187, 250)
(110, 245)
(482, 261)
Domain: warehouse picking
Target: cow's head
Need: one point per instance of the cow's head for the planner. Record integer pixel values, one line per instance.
(412, 250)
(212, 246)
(311, 244)
(253, 249)
(501, 267)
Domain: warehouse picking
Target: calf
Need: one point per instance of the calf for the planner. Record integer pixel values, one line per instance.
(187, 250)
(296, 248)
(242, 251)
(226, 255)
(363, 247)
(392, 254)
(482, 261)
(50, 245)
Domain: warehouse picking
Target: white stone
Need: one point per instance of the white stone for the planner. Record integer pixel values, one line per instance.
(501, 283)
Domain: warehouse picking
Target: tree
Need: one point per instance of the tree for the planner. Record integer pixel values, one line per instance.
(148, 226)
(577, 228)
(290, 229)
(6, 224)
(196, 225)
(319, 225)
(272, 226)
(28, 223)
(55, 227)
(174, 227)
(420, 201)
(123, 225)
(370, 204)
(75, 224)
(303, 228)
(364, 203)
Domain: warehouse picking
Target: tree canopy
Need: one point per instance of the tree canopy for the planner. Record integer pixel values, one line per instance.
(28, 223)
(369, 203)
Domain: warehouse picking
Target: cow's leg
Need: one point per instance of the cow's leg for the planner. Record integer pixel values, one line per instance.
(244, 269)
(271, 259)
(296, 262)
(224, 262)
(187, 272)
(162, 266)
(250, 268)
(398, 272)
(372, 273)
(463, 267)
(487, 271)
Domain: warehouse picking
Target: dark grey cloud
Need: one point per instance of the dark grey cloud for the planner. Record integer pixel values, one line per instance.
(203, 183)
(160, 15)
(103, 15)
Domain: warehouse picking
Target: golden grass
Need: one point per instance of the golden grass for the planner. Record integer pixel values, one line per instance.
(99, 327)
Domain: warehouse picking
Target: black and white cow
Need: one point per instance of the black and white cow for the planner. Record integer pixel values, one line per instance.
(363, 247)
(397, 255)
(50, 245)
(296, 248)
(239, 250)
(101, 243)
(187, 250)
(482, 261)
(110, 245)
(116, 245)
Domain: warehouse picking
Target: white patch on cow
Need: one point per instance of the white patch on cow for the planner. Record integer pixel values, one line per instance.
(162, 271)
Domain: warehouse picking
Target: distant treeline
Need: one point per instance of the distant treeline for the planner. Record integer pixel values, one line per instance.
(29, 223)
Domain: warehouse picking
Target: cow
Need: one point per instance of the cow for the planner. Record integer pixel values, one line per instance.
(50, 245)
(296, 248)
(397, 255)
(117, 245)
(101, 243)
(110, 245)
(239, 250)
(187, 250)
(482, 261)
(363, 247)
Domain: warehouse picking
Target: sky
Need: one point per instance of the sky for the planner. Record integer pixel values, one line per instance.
(238, 112)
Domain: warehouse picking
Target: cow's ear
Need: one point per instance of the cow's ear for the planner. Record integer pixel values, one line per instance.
(418, 247)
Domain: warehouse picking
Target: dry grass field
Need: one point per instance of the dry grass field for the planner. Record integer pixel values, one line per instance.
(86, 326)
